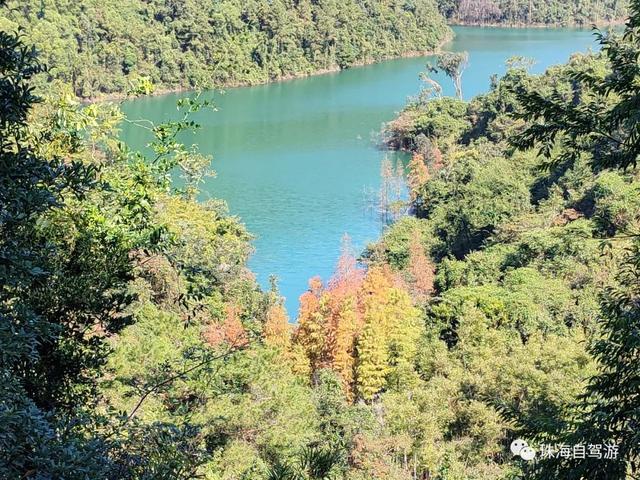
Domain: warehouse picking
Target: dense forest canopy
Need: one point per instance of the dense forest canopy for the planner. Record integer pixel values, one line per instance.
(98, 46)
(534, 12)
(540, 241)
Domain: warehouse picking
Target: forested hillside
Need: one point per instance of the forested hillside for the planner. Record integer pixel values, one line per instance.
(98, 46)
(527, 201)
(533, 12)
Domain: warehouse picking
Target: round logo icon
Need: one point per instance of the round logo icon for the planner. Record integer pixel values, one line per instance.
(517, 445)
(528, 453)
(522, 449)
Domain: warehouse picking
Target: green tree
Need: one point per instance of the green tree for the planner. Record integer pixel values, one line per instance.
(57, 303)
(100, 47)
(599, 116)
(453, 65)
(533, 12)
(92, 238)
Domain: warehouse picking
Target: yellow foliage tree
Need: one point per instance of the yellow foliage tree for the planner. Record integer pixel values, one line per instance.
(277, 331)
(420, 268)
(362, 326)
(373, 358)
(310, 334)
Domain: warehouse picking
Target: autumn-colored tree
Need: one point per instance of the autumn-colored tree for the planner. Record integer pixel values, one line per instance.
(347, 276)
(420, 268)
(362, 326)
(345, 318)
(417, 176)
(389, 338)
(329, 318)
(404, 323)
(435, 159)
(372, 362)
(430, 152)
(230, 332)
(348, 326)
(310, 334)
(276, 330)
(372, 365)
(376, 284)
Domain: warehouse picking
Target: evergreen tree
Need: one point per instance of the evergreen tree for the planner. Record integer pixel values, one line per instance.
(57, 303)
(101, 46)
(600, 116)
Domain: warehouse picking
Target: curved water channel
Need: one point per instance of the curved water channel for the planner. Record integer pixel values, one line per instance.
(296, 160)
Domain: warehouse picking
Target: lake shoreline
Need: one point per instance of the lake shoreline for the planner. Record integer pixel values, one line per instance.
(159, 92)
(286, 78)
(521, 25)
(116, 97)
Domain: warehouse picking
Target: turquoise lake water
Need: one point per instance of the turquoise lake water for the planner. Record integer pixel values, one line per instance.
(297, 160)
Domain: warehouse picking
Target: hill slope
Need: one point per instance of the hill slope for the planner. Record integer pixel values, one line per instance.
(98, 46)
(533, 12)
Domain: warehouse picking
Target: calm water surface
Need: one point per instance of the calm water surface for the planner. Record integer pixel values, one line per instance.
(295, 160)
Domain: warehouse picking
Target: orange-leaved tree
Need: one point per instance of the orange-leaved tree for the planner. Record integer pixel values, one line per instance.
(363, 326)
